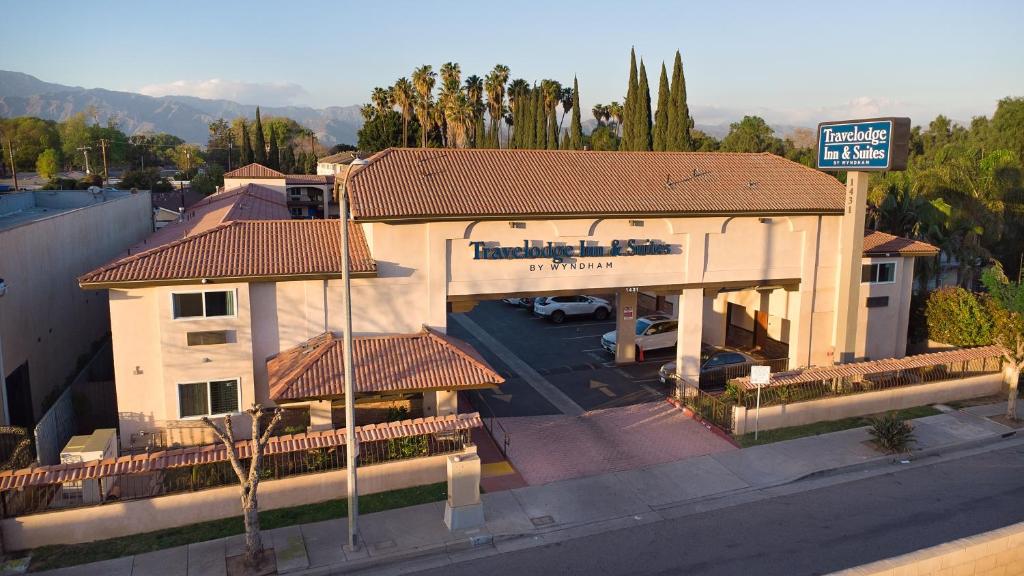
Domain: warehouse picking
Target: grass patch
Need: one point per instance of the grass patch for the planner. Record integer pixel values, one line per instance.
(50, 557)
(793, 432)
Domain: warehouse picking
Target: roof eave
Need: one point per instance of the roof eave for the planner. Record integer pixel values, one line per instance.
(576, 215)
(339, 396)
(86, 285)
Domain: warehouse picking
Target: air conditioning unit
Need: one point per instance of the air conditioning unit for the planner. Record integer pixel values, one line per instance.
(100, 445)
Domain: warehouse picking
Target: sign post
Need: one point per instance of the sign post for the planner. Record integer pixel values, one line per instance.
(759, 376)
(858, 147)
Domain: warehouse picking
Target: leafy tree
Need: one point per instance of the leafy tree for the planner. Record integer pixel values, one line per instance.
(219, 144)
(31, 137)
(604, 138)
(628, 120)
(956, 317)
(288, 160)
(643, 113)
(576, 126)
(680, 124)
(187, 158)
(74, 134)
(145, 179)
(48, 163)
(660, 139)
(752, 134)
(382, 130)
(259, 144)
(247, 155)
(1006, 307)
(274, 153)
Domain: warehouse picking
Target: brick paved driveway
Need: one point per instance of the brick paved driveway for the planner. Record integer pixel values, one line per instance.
(548, 448)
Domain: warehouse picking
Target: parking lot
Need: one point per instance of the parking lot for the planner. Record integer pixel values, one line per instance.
(565, 407)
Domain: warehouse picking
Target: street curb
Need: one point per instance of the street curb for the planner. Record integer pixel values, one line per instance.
(912, 457)
(461, 545)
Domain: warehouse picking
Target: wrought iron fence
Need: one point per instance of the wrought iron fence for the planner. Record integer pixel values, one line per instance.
(717, 378)
(709, 406)
(175, 480)
(777, 394)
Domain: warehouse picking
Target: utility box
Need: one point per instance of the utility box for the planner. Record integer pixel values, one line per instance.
(463, 509)
(100, 445)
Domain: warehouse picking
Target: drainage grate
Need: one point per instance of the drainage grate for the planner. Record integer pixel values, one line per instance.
(542, 521)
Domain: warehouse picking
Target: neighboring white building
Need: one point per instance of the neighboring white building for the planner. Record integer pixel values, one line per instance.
(335, 164)
(303, 193)
(47, 239)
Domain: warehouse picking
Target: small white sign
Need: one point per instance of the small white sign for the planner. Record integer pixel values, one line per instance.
(760, 375)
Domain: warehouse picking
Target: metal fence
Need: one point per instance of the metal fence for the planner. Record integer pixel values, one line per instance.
(55, 428)
(710, 407)
(844, 386)
(16, 448)
(717, 378)
(175, 480)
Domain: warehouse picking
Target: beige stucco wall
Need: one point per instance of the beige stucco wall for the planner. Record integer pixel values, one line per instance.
(799, 413)
(996, 553)
(45, 318)
(882, 332)
(151, 357)
(275, 183)
(116, 519)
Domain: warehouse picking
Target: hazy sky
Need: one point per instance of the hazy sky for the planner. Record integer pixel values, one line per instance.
(791, 62)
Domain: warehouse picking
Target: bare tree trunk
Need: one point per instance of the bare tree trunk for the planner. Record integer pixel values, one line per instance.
(253, 540)
(1011, 402)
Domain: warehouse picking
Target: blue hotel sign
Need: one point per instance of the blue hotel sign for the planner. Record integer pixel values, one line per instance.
(864, 145)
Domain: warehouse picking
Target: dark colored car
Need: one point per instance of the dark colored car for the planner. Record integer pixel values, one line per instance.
(717, 366)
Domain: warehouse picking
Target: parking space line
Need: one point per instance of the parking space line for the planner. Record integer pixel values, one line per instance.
(582, 337)
(546, 389)
(592, 350)
(556, 327)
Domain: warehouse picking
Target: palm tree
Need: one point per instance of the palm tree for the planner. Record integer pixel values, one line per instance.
(367, 111)
(404, 94)
(600, 112)
(451, 87)
(381, 98)
(459, 114)
(475, 96)
(566, 100)
(423, 79)
(494, 85)
(615, 111)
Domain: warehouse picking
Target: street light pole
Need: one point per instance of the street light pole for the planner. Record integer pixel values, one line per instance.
(350, 386)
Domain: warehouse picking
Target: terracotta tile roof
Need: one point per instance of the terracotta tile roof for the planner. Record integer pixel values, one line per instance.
(254, 170)
(172, 200)
(817, 374)
(241, 250)
(394, 363)
(298, 179)
(879, 244)
(41, 475)
(409, 183)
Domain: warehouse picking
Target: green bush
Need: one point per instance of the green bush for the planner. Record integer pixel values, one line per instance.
(891, 433)
(955, 316)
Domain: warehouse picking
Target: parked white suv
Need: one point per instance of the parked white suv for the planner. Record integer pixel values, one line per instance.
(653, 332)
(558, 308)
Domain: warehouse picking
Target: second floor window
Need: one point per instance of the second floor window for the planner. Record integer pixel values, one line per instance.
(204, 304)
(881, 273)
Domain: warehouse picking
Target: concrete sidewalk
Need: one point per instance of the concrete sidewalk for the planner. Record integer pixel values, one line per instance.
(535, 515)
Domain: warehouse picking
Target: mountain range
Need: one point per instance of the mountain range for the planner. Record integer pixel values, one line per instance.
(187, 117)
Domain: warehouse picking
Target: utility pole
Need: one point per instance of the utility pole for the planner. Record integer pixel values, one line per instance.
(85, 150)
(229, 155)
(14, 168)
(103, 148)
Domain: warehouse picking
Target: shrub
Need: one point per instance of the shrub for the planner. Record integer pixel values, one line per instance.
(891, 433)
(955, 316)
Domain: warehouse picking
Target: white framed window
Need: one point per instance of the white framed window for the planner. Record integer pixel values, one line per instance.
(878, 273)
(211, 398)
(202, 304)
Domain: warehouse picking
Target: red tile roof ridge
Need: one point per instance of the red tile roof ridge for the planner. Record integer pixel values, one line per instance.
(458, 349)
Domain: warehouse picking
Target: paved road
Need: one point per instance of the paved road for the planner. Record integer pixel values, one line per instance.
(811, 532)
(568, 355)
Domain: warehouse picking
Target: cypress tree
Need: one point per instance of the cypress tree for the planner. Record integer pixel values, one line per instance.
(258, 143)
(679, 121)
(540, 131)
(274, 154)
(288, 160)
(576, 127)
(299, 167)
(246, 156)
(661, 115)
(629, 106)
(553, 129)
(311, 163)
(526, 142)
(642, 134)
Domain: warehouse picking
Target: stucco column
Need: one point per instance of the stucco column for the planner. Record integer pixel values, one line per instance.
(320, 416)
(906, 292)
(625, 327)
(691, 325)
(851, 252)
(440, 403)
